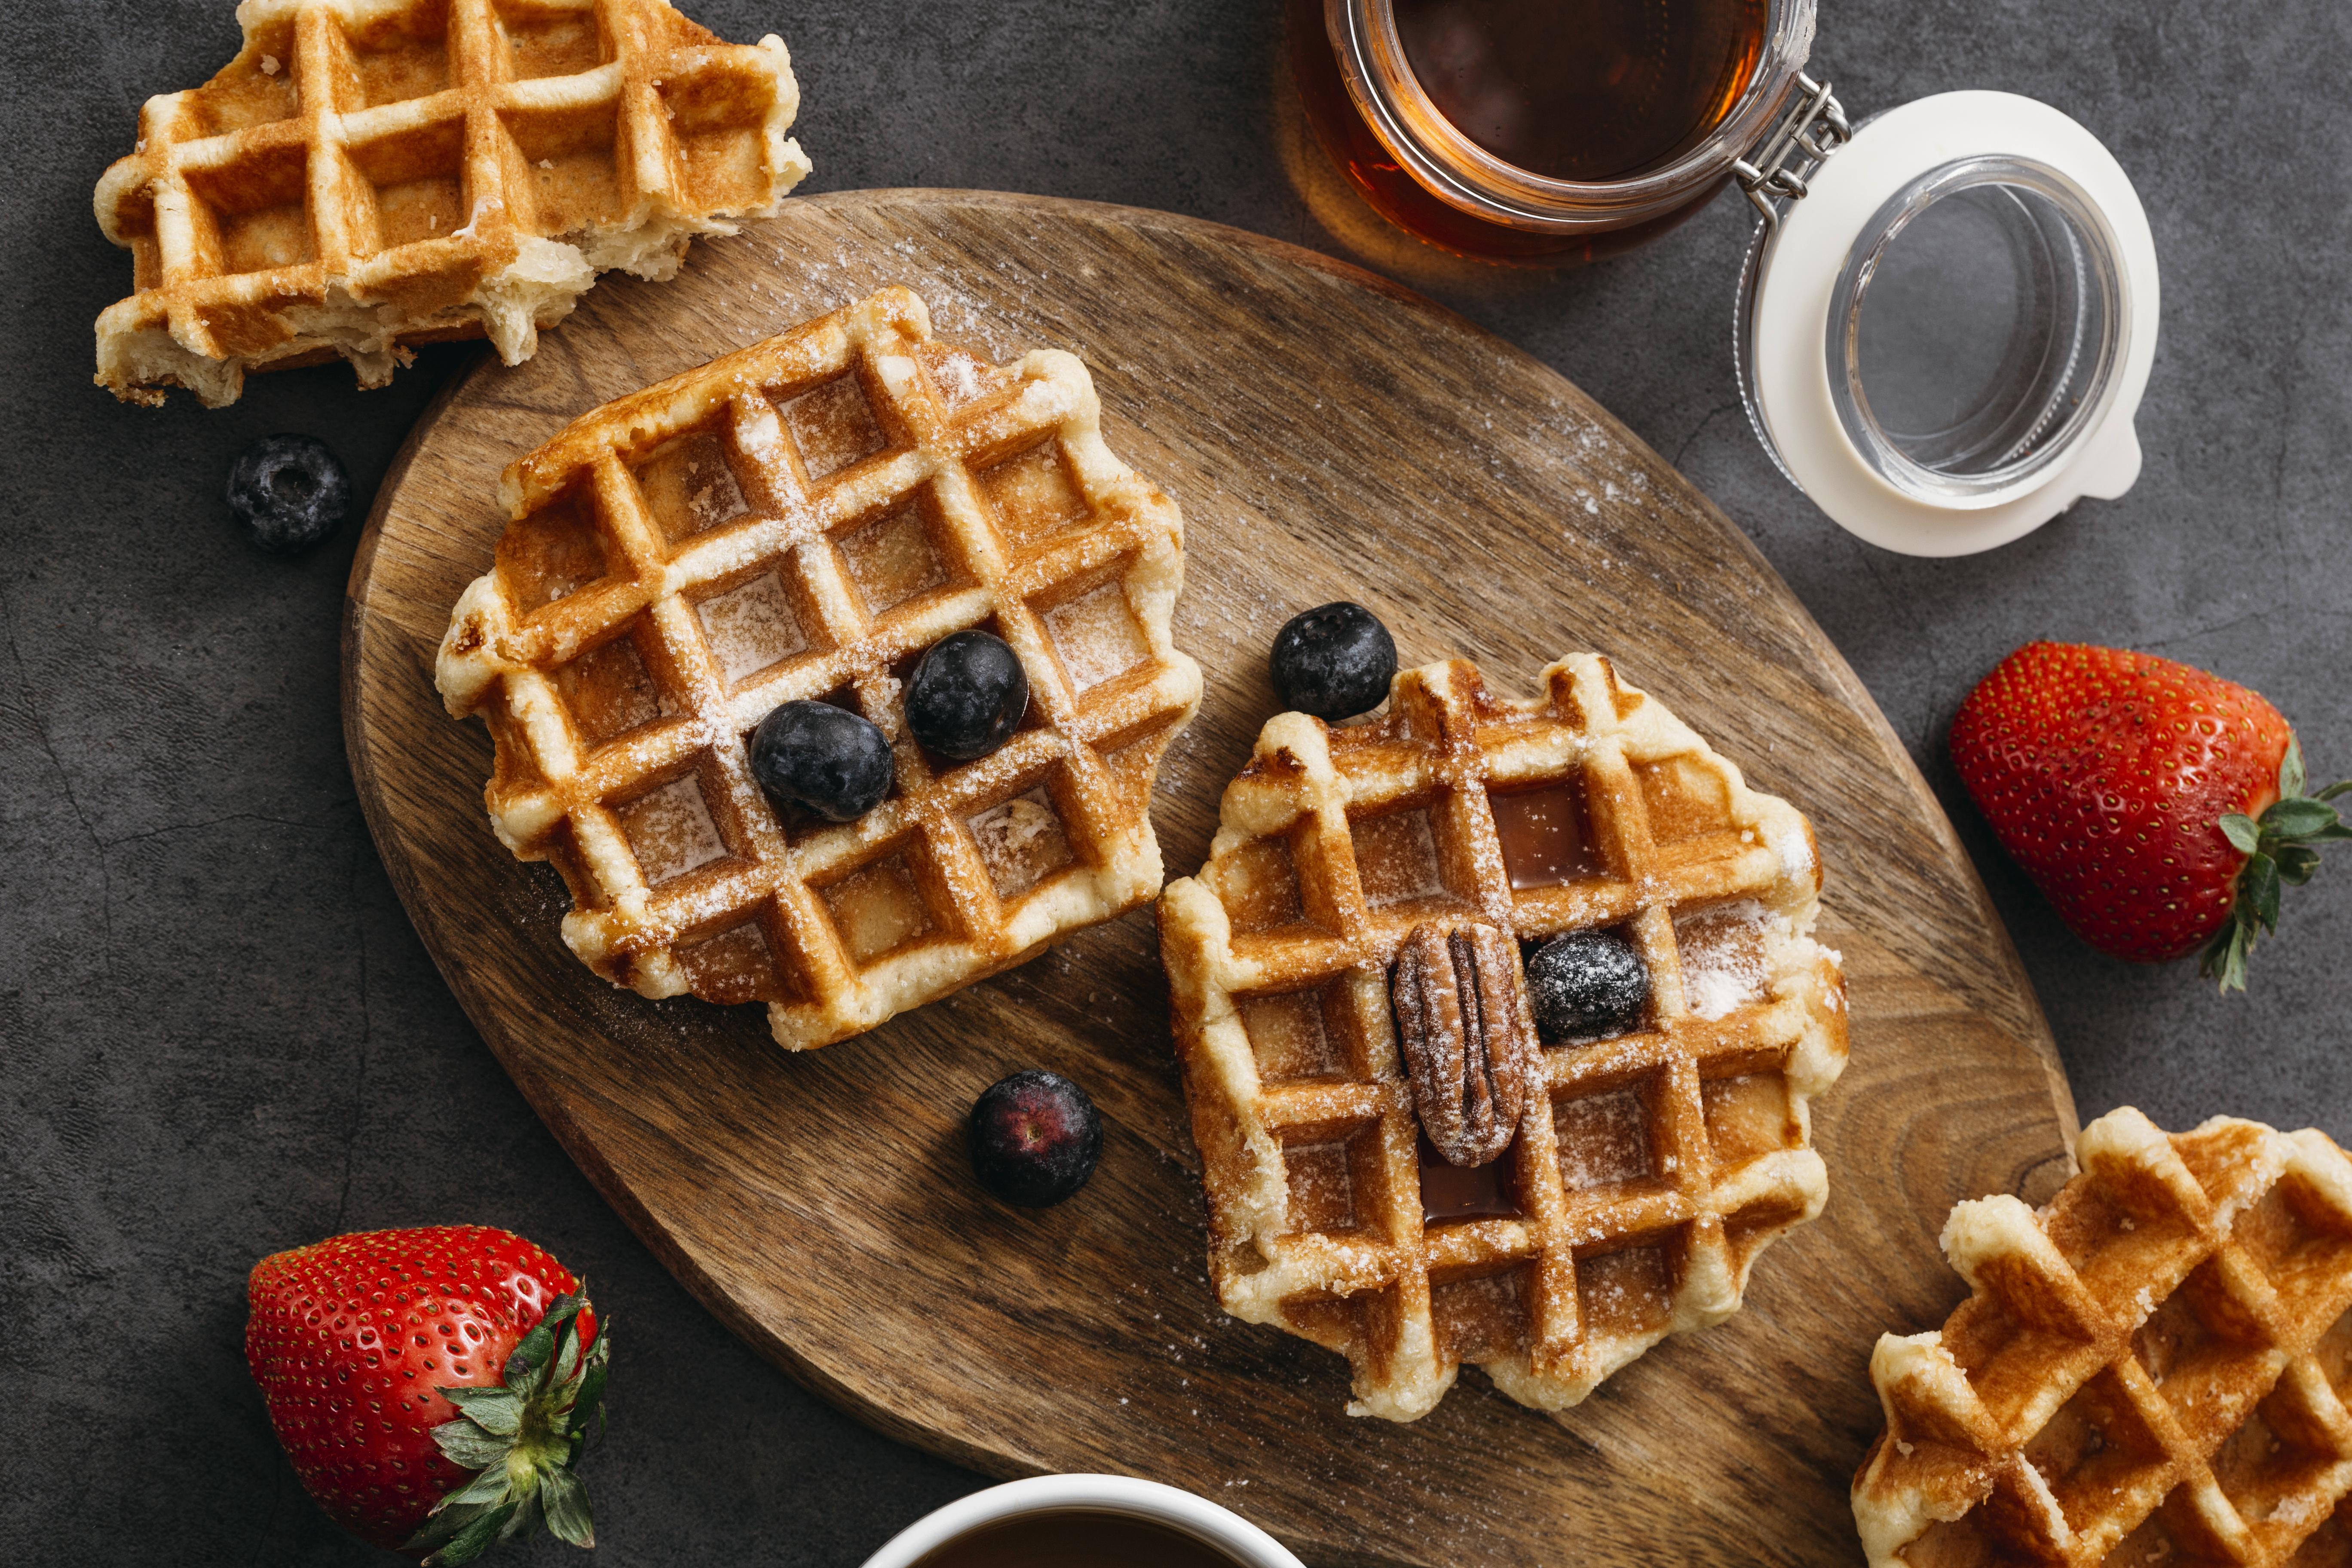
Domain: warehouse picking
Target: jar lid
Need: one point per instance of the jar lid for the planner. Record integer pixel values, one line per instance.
(1944, 341)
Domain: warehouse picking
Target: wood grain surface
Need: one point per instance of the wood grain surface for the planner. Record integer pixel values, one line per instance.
(1327, 435)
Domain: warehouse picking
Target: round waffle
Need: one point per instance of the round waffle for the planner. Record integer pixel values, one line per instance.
(367, 174)
(2150, 1369)
(802, 519)
(1648, 1170)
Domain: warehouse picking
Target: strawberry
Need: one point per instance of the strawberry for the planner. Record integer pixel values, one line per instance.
(434, 1387)
(2158, 807)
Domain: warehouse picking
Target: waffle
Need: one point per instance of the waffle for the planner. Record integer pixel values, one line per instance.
(1648, 1171)
(803, 519)
(2150, 1369)
(368, 174)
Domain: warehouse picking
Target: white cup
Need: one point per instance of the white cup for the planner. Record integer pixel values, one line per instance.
(1226, 1530)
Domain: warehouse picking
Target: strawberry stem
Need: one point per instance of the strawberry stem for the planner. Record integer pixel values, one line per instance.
(2281, 847)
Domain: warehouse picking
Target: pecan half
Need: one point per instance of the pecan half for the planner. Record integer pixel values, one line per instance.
(1457, 995)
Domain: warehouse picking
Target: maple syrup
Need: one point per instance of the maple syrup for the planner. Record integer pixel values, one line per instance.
(1076, 1538)
(1467, 1192)
(1582, 89)
(1545, 839)
(1541, 130)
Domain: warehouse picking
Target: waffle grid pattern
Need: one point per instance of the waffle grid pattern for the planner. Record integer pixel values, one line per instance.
(2152, 1370)
(1650, 1169)
(372, 173)
(801, 519)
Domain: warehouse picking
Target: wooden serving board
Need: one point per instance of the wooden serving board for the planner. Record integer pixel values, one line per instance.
(1329, 436)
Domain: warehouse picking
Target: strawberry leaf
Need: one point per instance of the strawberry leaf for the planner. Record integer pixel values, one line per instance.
(469, 1447)
(2224, 958)
(475, 1537)
(2279, 850)
(2258, 886)
(567, 1354)
(492, 1409)
(589, 1403)
(2295, 816)
(441, 1526)
(567, 1508)
(526, 1369)
(527, 1513)
(487, 1488)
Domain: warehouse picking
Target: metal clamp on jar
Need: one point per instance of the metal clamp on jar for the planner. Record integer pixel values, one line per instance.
(1948, 311)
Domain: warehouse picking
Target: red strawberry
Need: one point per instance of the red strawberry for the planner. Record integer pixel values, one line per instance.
(2158, 807)
(434, 1387)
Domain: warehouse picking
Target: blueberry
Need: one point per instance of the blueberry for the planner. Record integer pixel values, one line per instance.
(1334, 661)
(1036, 1137)
(966, 695)
(828, 759)
(1587, 985)
(288, 492)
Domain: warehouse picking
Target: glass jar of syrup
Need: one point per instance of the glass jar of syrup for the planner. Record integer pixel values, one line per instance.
(1948, 315)
(1543, 131)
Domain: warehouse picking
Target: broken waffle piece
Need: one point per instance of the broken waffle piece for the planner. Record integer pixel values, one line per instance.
(802, 520)
(371, 174)
(2150, 1368)
(1366, 912)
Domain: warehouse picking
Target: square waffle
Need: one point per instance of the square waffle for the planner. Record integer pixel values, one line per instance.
(2150, 1369)
(367, 174)
(1648, 1170)
(802, 519)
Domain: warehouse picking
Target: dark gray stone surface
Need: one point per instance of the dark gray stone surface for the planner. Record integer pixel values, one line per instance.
(219, 1037)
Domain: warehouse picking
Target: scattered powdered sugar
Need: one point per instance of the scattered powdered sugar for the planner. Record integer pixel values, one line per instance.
(713, 497)
(1722, 949)
(958, 376)
(1020, 841)
(1794, 852)
(893, 559)
(1396, 858)
(750, 627)
(1624, 1292)
(834, 426)
(1096, 636)
(1603, 1139)
(670, 830)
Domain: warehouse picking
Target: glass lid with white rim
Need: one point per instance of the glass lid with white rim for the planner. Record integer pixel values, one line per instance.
(1947, 316)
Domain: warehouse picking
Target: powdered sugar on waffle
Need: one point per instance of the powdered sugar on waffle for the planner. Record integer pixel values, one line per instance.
(229, 274)
(2190, 1295)
(1333, 844)
(1722, 953)
(681, 561)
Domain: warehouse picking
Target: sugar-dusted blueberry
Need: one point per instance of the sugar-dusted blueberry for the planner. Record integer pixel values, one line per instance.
(1036, 1137)
(1334, 661)
(1587, 985)
(826, 759)
(967, 695)
(289, 491)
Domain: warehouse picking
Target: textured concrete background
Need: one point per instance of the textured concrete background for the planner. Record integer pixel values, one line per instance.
(219, 1036)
